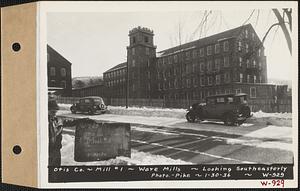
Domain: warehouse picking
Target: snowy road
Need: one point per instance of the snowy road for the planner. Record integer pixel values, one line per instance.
(204, 143)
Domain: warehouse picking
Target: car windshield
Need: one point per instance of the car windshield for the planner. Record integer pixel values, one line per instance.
(98, 101)
(230, 99)
(240, 99)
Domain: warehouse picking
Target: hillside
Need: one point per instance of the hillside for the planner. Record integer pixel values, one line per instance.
(81, 82)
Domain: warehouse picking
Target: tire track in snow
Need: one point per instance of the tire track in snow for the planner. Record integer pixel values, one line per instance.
(196, 152)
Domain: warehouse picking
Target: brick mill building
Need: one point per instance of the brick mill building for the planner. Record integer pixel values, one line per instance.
(59, 73)
(229, 62)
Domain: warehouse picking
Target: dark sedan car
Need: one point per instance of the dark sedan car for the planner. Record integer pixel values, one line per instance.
(91, 105)
(230, 108)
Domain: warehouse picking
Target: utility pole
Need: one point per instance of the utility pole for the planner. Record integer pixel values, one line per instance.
(127, 84)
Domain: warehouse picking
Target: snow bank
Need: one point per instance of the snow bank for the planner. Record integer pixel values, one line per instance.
(148, 112)
(137, 158)
(268, 137)
(261, 114)
(63, 106)
(278, 119)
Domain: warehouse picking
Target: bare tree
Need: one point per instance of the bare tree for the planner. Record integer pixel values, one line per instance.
(282, 24)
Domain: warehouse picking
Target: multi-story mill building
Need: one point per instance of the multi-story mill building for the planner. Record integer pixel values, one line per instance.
(229, 62)
(59, 73)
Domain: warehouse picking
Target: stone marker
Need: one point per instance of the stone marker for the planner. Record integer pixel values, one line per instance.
(96, 141)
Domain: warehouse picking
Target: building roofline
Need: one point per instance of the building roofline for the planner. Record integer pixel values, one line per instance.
(192, 43)
(117, 67)
(48, 46)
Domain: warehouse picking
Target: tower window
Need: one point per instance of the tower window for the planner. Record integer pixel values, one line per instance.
(146, 39)
(147, 51)
(133, 40)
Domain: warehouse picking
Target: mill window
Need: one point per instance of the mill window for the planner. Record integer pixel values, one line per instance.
(253, 92)
(217, 48)
(63, 72)
(52, 71)
(226, 46)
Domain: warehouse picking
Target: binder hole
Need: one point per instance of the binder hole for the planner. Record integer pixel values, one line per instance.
(16, 47)
(17, 149)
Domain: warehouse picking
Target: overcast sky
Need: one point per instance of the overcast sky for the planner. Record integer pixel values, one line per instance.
(96, 41)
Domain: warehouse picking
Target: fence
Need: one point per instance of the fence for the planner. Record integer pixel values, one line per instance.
(67, 100)
(266, 105)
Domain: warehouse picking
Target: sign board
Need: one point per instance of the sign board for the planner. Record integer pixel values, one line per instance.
(96, 141)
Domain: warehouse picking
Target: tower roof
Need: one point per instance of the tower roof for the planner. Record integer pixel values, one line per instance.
(141, 29)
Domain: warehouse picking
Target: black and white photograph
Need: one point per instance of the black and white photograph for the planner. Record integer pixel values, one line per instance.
(202, 93)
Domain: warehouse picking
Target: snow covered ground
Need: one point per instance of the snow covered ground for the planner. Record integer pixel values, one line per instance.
(277, 119)
(137, 158)
(268, 137)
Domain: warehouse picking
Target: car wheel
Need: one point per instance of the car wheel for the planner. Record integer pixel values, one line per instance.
(73, 109)
(190, 117)
(229, 119)
(240, 122)
(245, 110)
(91, 112)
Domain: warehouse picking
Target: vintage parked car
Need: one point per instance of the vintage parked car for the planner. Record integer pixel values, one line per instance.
(91, 105)
(230, 108)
